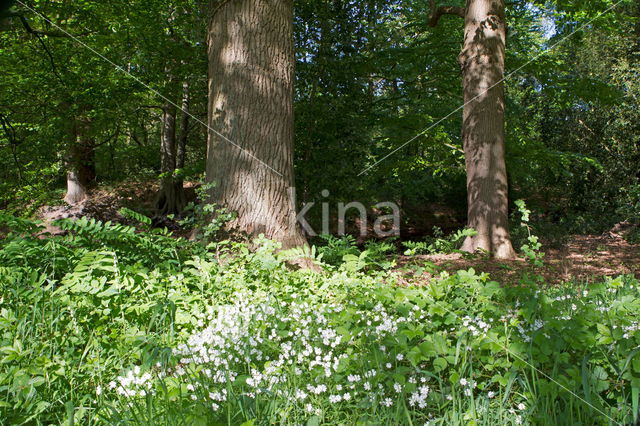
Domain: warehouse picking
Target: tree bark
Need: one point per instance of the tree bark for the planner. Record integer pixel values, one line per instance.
(482, 62)
(80, 163)
(184, 127)
(171, 198)
(251, 65)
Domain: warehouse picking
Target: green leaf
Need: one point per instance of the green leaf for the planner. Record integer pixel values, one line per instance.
(313, 421)
(440, 364)
(635, 395)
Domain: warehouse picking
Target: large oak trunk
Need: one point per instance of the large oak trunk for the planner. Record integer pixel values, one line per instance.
(80, 163)
(251, 64)
(482, 62)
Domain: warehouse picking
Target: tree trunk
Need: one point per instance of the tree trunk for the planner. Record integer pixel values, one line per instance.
(80, 163)
(482, 62)
(171, 196)
(251, 64)
(184, 128)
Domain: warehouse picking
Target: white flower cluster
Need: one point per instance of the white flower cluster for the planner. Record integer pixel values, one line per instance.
(419, 398)
(134, 383)
(518, 416)
(601, 306)
(276, 340)
(468, 386)
(477, 326)
(629, 330)
(296, 351)
(561, 298)
(526, 333)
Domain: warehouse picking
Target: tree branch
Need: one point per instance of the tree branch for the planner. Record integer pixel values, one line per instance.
(30, 30)
(109, 139)
(39, 35)
(9, 130)
(437, 12)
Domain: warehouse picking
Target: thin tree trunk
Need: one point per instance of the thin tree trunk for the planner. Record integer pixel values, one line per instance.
(10, 134)
(80, 163)
(184, 127)
(170, 197)
(251, 64)
(482, 62)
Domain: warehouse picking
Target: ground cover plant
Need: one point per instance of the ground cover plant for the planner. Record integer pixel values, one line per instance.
(225, 335)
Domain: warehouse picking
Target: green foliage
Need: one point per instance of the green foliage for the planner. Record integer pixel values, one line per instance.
(84, 318)
(206, 219)
(380, 253)
(343, 253)
(51, 83)
(531, 250)
(370, 77)
(90, 309)
(108, 303)
(139, 218)
(630, 212)
(155, 247)
(438, 243)
(35, 191)
(334, 249)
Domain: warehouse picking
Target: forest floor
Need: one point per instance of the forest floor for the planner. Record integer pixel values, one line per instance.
(580, 257)
(105, 202)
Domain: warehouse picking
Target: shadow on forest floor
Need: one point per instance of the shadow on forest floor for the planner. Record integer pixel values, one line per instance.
(583, 257)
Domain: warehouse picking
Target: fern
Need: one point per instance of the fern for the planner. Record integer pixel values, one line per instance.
(138, 217)
(304, 252)
(336, 248)
(19, 226)
(149, 248)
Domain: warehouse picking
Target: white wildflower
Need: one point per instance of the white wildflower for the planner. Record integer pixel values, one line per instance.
(335, 398)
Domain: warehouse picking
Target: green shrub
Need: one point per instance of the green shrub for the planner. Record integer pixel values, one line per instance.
(439, 243)
(333, 249)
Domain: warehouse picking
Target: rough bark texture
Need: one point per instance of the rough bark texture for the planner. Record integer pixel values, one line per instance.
(251, 64)
(171, 198)
(482, 62)
(80, 163)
